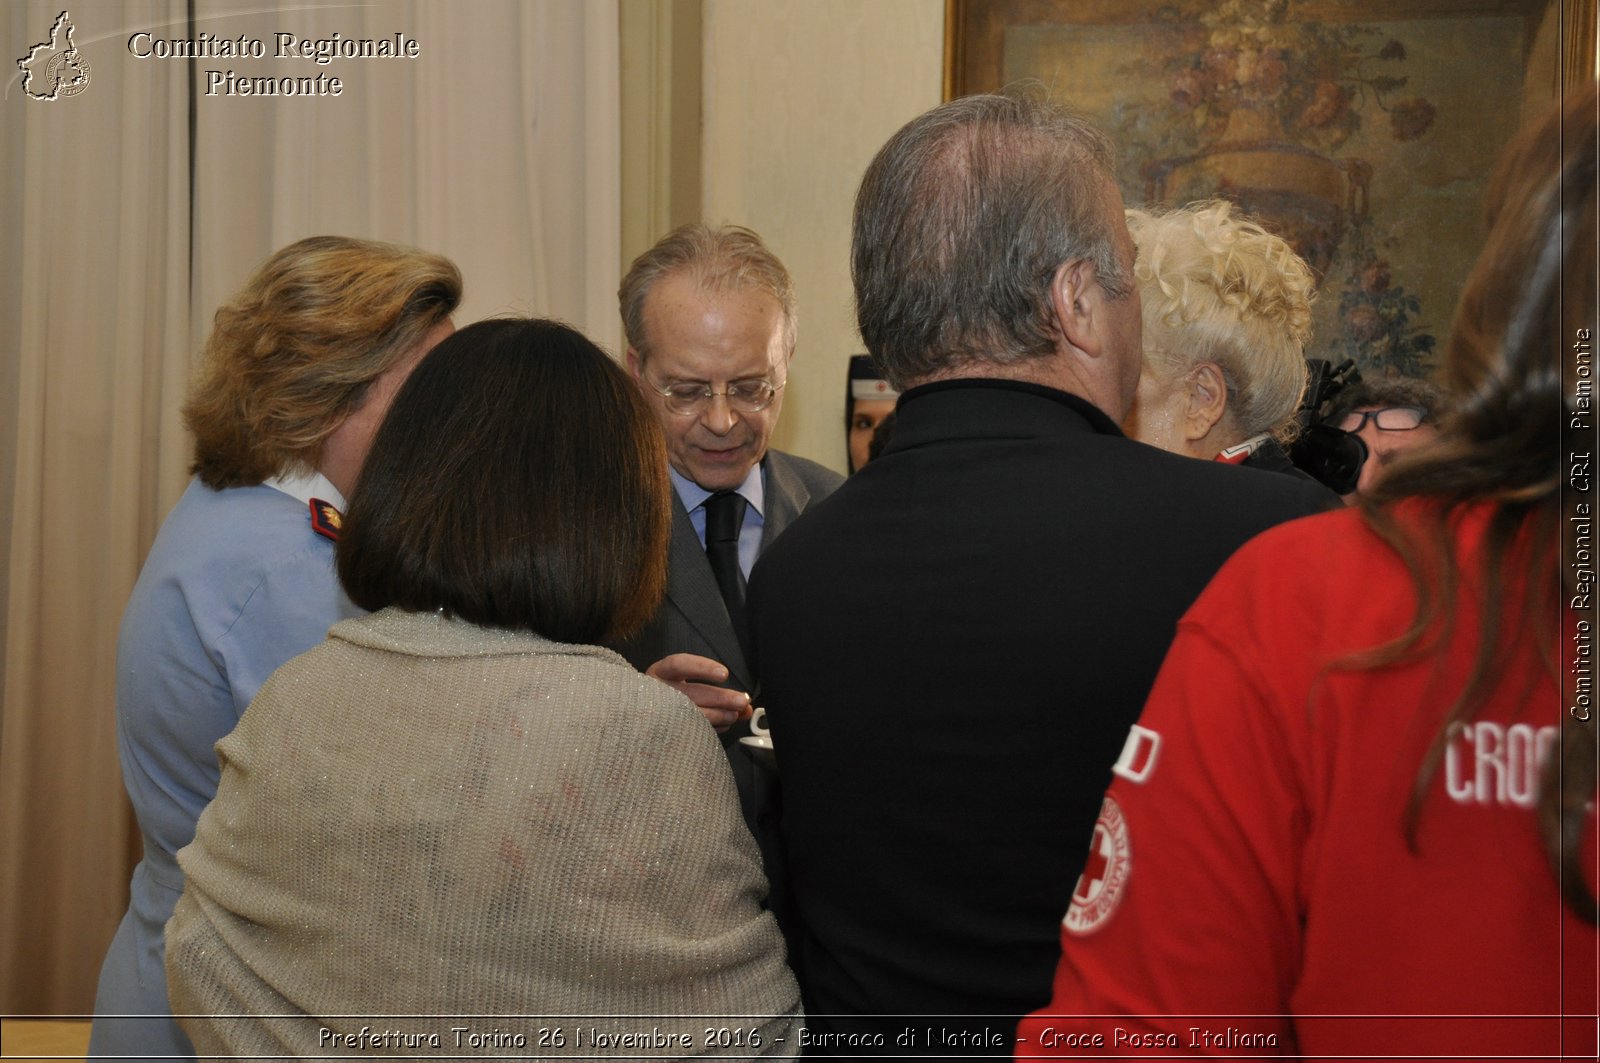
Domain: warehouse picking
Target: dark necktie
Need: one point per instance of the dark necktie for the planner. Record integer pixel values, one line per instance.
(724, 518)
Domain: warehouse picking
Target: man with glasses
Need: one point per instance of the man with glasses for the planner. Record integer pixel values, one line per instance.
(710, 320)
(1390, 415)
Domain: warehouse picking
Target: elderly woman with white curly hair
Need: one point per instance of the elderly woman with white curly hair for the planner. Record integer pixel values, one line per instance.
(1227, 315)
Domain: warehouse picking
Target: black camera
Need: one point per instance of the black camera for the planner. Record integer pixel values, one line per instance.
(1329, 454)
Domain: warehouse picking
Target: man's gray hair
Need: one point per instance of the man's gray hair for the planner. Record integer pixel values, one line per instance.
(728, 258)
(961, 223)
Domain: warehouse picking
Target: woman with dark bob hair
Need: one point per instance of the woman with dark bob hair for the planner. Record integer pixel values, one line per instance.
(295, 377)
(461, 806)
(1356, 818)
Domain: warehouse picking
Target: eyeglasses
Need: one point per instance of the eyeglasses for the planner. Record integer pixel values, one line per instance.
(1388, 419)
(746, 396)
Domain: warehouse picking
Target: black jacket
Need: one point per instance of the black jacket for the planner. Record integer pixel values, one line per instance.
(952, 647)
(1271, 457)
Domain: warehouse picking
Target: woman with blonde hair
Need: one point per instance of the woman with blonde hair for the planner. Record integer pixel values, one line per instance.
(1356, 818)
(298, 372)
(487, 814)
(1227, 316)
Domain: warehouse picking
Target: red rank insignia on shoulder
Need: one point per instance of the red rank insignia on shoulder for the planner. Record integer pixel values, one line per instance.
(1235, 455)
(326, 520)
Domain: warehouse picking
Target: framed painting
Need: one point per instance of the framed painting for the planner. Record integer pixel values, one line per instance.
(1363, 131)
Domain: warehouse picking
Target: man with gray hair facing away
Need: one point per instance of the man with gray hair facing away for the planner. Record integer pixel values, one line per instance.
(954, 644)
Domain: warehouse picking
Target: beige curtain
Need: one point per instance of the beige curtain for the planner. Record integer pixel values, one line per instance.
(130, 210)
(96, 234)
(497, 146)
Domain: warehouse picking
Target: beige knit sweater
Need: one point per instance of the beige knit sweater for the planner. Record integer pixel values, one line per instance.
(432, 838)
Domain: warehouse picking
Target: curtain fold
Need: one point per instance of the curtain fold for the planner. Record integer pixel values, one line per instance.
(497, 146)
(95, 223)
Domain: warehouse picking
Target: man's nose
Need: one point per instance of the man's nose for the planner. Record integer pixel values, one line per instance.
(719, 415)
(1370, 468)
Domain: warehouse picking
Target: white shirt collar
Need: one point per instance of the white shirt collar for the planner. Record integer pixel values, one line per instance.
(306, 486)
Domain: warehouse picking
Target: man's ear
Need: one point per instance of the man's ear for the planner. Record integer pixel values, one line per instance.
(635, 363)
(1207, 393)
(1072, 304)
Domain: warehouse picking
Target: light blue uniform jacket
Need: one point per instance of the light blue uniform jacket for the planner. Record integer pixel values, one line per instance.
(235, 585)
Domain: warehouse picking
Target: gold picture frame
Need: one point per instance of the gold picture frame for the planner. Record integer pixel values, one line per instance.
(1363, 131)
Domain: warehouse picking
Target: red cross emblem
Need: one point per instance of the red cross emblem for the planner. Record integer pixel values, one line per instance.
(1105, 873)
(1094, 871)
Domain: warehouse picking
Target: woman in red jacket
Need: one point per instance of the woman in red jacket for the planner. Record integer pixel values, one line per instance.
(1352, 820)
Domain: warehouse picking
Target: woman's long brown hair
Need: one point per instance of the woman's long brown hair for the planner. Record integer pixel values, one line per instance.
(1528, 300)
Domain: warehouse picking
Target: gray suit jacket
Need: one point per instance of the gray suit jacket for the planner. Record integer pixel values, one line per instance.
(693, 619)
